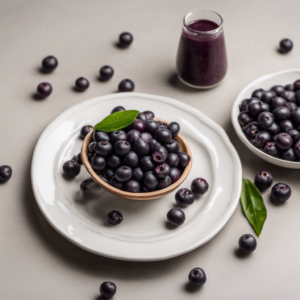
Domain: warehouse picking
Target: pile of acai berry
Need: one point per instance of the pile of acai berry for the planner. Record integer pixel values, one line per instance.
(271, 120)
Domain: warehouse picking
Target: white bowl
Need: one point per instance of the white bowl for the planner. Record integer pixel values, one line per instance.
(264, 82)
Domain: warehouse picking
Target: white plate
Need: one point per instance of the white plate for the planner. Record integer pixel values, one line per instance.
(264, 82)
(144, 234)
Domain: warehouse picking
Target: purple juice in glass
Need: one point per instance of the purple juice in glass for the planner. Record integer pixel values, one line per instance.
(201, 57)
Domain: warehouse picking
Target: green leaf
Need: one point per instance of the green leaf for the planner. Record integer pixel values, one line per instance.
(117, 120)
(253, 206)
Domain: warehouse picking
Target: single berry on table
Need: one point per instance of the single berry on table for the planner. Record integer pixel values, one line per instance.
(81, 84)
(114, 217)
(197, 277)
(44, 89)
(125, 39)
(176, 216)
(49, 63)
(247, 243)
(184, 197)
(126, 85)
(106, 73)
(6, 172)
(285, 45)
(71, 168)
(263, 180)
(281, 192)
(199, 186)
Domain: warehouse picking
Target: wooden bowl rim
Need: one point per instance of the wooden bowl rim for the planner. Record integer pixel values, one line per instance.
(129, 195)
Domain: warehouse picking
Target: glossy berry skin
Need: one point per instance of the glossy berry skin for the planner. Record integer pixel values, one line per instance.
(297, 85)
(289, 87)
(295, 135)
(162, 171)
(197, 277)
(85, 130)
(146, 163)
(133, 135)
(114, 218)
(153, 143)
(132, 186)
(126, 85)
(108, 174)
(288, 96)
(122, 148)
(108, 289)
(172, 146)
(118, 135)
(100, 136)
(184, 197)
(265, 120)
(292, 106)
(113, 161)
(131, 159)
(255, 108)
(149, 114)
(150, 180)
(245, 118)
(286, 126)
(163, 183)
(91, 147)
(271, 149)
(288, 154)
(87, 183)
(278, 101)
(274, 129)
(251, 129)
(141, 147)
(176, 216)
(199, 186)
(297, 149)
(295, 117)
(125, 39)
(285, 45)
(258, 93)
(284, 141)
(49, 63)
(159, 154)
(278, 89)
(174, 127)
(81, 84)
(71, 168)
(281, 113)
(44, 89)
(262, 138)
(137, 174)
(151, 126)
(163, 135)
(243, 104)
(116, 183)
(6, 172)
(247, 243)
(174, 174)
(98, 163)
(118, 108)
(263, 180)
(106, 73)
(103, 148)
(281, 192)
(138, 125)
(123, 173)
(184, 159)
(172, 160)
(268, 97)
(142, 116)
(147, 137)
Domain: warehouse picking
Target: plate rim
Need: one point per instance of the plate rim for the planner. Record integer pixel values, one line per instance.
(241, 135)
(216, 127)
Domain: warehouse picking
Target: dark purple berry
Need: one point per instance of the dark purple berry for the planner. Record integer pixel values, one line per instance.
(286, 125)
(245, 118)
(113, 161)
(123, 174)
(297, 85)
(118, 108)
(126, 85)
(285, 45)
(150, 180)
(142, 116)
(295, 135)
(172, 146)
(255, 108)
(122, 148)
(81, 84)
(284, 141)
(6, 172)
(251, 129)
(159, 154)
(147, 163)
(271, 149)
(199, 186)
(172, 160)
(137, 174)
(295, 117)
(151, 126)
(258, 93)
(184, 197)
(274, 129)
(162, 171)
(163, 183)
(98, 163)
(197, 277)
(263, 180)
(289, 87)
(131, 159)
(297, 149)
(133, 135)
(100, 136)
(138, 125)
(176, 216)
(78, 158)
(174, 127)
(281, 192)
(125, 39)
(163, 135)
(85, 130)
(49, 63)
(91, 147)
(281, 113)
(71, 168)
(108, 174)
(265, 120)
(106, 73)
(118, 135)
(132, 186)
(147, 137)
(103, 148)
(44, 89)
(288, 154)
(114, 218)
(278, 101)
(247, 243)
(141, 147)
(175, 174)
(184, 159)
(289, 96)
(244, 103)
(268, 97)
(153, 143)
(292, 106)
(116, 183)
(278, 89)
(149, 114)
(262, 138)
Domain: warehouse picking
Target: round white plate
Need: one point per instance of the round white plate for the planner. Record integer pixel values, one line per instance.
(144, 234)
(264, 82)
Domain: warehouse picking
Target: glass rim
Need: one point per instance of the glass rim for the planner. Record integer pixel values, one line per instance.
(209, 32)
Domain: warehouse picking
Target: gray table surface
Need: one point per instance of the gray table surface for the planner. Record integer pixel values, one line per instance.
(36, 262)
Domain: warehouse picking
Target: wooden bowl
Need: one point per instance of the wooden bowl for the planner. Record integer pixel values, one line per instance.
(137, 196)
